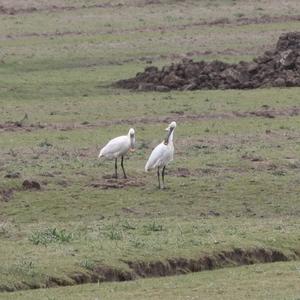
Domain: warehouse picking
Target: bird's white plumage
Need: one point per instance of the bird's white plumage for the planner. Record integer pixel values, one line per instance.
(118, 146)
(115, 147)
(163, 153)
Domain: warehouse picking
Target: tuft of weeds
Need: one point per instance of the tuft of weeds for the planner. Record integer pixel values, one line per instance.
(114, 234)
(50, 235)
(279, 173)
(88, 264)
(45, 144)
(137, 243)
(4, 231)
(128, 226)
(26, 267)
(12, 153)
(239, 15)
(153, 226)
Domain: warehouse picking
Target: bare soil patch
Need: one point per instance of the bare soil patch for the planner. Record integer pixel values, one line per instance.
(265, 19)
(31, 185)
(279, 67)
(108, 182)
(6, 194)
(264, 112)
(217, 22)
(9, 10)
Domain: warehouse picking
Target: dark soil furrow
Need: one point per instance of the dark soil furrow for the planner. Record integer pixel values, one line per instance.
(178, 116)
(61, 8)
(217, 22)
(173, 266)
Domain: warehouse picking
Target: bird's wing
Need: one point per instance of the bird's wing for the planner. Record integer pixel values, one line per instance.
(156, 156)
(115, 147)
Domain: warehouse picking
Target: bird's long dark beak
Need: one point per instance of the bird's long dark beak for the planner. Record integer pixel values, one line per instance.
(166, 140)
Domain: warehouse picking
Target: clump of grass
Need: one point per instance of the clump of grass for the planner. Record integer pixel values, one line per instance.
(137, 243)
(143, 145)
(45, 144)
(279, 173)
(128, 226)
(88, 264)
(239, 15)
(4, 230)
(50, 235)
(13, 153)
(26, 267)
(114, 234)
(153, 227)
(295, 165)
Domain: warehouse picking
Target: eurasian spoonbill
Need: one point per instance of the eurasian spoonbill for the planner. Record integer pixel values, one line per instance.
(118, 147)
(162, 154)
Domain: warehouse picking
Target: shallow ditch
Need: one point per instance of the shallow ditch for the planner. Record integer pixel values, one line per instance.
(169, 267)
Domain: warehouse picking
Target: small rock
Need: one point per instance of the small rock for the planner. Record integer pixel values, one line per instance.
(213, 213)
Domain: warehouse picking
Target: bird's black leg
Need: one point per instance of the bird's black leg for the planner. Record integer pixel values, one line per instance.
(122, 165)
(163, 177)
(158, 176)
(116, 169)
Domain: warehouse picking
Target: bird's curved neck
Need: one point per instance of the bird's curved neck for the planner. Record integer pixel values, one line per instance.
(131, 140)
(169, 137)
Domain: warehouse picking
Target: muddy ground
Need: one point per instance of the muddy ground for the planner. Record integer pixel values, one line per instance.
(279, 67)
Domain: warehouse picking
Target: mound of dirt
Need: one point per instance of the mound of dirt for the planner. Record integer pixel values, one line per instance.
(279, 67)
(31, 185)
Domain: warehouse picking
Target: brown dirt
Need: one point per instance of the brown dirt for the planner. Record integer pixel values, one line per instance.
(217, 171)
(5, 10)
(264, 111)
(129, 210)
(235, 257)
(108, 182)
(279, 67)
(172, 266)
(218, 22)
(6, 195)
(13, 126)
(31, 185)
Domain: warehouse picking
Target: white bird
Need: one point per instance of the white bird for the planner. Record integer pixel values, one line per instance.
(162, 154)
(118, 147)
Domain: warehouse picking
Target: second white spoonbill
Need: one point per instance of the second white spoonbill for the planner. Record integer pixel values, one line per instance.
(118, 147)
(162, 154)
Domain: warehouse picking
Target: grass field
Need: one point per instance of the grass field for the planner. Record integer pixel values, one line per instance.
(235, 179)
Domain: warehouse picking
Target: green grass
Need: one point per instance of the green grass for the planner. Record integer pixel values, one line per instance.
(243, 172)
